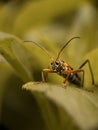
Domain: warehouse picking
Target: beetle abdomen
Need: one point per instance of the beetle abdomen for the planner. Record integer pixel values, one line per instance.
(75, 79)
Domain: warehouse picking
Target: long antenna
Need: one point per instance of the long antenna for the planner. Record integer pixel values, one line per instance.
(40, 48)
(65, 46)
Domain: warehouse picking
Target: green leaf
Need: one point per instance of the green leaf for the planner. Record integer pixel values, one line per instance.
(8, 78)
(14, 51)
(80, 105)
(5, 71)
(42, 12)
(33, 111)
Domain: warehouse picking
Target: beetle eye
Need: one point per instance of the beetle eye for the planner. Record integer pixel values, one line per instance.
(57, 62)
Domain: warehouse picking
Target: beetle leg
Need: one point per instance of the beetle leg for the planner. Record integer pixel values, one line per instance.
(64, 82)
(66, 78)
(90, 68)
(46, 71)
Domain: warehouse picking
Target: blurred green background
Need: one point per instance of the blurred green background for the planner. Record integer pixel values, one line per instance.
(50, 23)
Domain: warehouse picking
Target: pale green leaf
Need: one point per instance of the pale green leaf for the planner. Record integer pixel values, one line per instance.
(80, 105)
(12, 49)
(41, 13)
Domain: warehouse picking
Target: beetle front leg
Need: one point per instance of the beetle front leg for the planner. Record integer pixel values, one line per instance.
(46, 71)
(64, 82)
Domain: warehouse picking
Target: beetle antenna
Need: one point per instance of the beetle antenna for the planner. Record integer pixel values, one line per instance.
(41, 47)
(65, 46)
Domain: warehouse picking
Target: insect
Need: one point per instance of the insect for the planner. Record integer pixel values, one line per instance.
(65, 70)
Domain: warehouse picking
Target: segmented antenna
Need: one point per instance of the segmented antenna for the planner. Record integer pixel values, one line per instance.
(65, 46)
(41, 47)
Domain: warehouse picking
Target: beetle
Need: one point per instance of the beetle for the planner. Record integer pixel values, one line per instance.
(65, 70)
